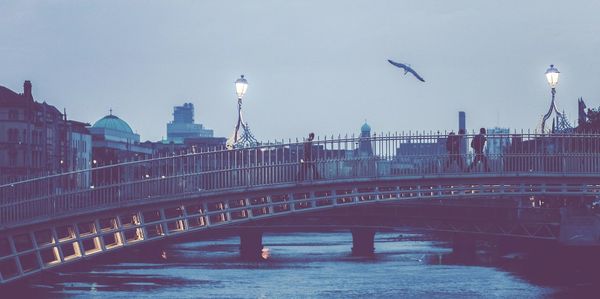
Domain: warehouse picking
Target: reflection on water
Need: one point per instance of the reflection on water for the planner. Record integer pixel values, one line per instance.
(266, 253)
(314, 265)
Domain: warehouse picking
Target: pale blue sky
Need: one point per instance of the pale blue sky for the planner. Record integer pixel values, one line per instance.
(312, 65)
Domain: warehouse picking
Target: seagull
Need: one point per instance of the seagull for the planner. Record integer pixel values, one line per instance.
(407, 69)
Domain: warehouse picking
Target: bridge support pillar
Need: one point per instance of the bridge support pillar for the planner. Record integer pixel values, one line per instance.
(363, 241)
(251, 245)
(464, 245)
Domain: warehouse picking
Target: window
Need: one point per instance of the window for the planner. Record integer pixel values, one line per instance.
(13, 135)
(13, 115)
(12, 156)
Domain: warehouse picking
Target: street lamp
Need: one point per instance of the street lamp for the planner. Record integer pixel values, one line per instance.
(552, 78)
(241, 85)
(245, 137)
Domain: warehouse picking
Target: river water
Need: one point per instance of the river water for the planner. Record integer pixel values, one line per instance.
(309, 265)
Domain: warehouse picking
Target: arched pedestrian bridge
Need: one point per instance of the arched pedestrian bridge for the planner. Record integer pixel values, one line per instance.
(64, 218)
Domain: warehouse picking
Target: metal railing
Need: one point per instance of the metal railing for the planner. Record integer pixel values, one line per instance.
(384, 155)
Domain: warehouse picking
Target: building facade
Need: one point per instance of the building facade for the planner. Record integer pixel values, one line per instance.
(183, 125)
(34, 137)
(80, 151)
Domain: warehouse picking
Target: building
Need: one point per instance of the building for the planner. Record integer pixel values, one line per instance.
(367, 162)
(80, 151)
(419, 152)
(34, 136)
(365, 148)
(462, 121)
(114, 141)
(498, 140)
(183, 125)
(423, 146)
(462, 125)
(79, 155)
(189, 145)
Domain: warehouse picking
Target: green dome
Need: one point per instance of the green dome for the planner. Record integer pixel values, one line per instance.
(112, 122)
(365, 128)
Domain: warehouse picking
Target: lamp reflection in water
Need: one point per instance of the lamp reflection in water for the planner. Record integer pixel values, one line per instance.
(266, 253)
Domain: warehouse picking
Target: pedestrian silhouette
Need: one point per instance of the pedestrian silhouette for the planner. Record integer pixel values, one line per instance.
(453, 143)
(308, 162)
(477, 144)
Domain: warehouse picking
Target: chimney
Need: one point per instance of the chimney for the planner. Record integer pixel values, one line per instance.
(462, 125)
(27, 90)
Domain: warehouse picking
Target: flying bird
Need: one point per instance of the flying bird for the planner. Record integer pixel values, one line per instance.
(407, 69)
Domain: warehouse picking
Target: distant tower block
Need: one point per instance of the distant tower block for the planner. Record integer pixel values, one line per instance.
(462, 120)
(462, 124)
(183, 125)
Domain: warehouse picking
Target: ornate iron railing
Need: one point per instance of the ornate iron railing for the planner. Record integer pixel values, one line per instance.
(384, 155)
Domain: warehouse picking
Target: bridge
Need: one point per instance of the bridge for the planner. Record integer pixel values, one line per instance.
(546, 184)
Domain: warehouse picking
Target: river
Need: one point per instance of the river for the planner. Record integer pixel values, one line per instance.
(308, 265)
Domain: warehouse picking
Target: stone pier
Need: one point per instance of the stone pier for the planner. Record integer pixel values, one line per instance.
(251, 245)
(363, 241)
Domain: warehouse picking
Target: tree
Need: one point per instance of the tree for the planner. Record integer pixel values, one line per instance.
(591, 123)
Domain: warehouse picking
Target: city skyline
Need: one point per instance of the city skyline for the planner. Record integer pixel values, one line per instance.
(327, 68)
(299, 148)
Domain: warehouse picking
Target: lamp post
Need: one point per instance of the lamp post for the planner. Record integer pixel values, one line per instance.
(245, 137)
(552, 78)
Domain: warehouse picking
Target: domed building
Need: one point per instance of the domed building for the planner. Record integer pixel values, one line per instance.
(112, 128)
(114, 141)
(364, 146)
(365, 130)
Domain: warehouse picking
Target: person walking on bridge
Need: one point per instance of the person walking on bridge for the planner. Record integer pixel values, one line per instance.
(453, 147)
(308, 161)
(477, 144)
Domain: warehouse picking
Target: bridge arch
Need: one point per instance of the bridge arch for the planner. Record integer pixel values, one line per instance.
(67, 239)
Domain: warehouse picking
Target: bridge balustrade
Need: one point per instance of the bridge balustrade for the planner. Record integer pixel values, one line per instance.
(397, 155)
